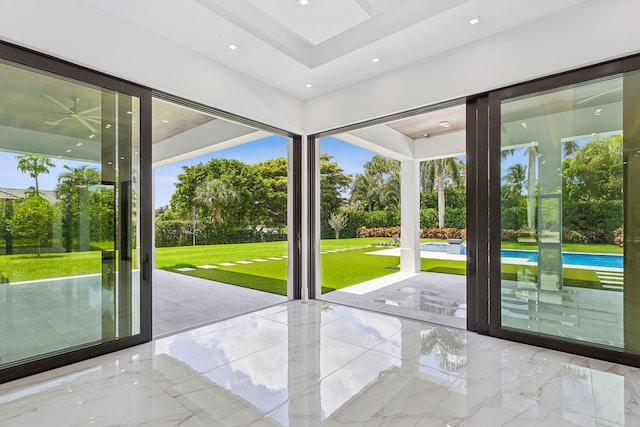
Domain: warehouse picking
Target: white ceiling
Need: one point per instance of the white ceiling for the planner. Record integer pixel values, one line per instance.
(328, 44)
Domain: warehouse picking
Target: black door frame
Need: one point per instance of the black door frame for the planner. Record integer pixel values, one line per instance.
(492, 126)
(19, 55)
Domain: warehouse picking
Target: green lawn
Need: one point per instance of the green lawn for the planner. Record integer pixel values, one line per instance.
(338, 269)
(18, 268)
(192, 256)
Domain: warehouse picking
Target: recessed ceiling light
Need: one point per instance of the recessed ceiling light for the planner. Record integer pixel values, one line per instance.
(444, 124)
(165, 121)
(232, 46)
(598, 111)
(524, 125)
(107, 126)
(79, 144)
(303, 2)
(308, 85)
(474, 21)
(92, 136)
(375, 60)
(68, 151)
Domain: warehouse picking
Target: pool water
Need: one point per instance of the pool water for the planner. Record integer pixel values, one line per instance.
(594, 260)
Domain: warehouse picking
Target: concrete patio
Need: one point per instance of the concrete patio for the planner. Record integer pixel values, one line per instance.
(432, 297)
(183, 302)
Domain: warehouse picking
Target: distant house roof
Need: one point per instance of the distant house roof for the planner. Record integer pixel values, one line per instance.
(17, 194)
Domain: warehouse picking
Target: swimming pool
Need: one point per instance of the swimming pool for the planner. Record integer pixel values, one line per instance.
(573, 258)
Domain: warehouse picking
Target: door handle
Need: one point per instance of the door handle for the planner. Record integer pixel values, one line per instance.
(471, 263)
(146, 268)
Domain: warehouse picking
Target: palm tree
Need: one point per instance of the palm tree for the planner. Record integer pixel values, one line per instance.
(506, 153)
(390, 191)
(570, 147)
(532, 154)
(73, 178)
(436, 173)
(72, 188)
(216, 194)
(34, 165)
(365, 190)
(516, 176)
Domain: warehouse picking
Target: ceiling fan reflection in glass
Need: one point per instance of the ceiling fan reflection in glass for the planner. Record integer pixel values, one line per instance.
(72, 112)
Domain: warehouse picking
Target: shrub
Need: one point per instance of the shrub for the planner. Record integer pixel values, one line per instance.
(509, 235)
(425, 233)
(443, 233)
(618, 236)
(383, 243)
(571, 236)
(378, 232)
(428, 217)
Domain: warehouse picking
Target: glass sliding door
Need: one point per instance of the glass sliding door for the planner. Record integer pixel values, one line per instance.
(69, 175)
(568, 174)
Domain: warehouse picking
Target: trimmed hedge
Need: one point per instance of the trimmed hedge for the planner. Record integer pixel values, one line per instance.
(170, 233)
(454, 218)
(425, 233)
(357, 219)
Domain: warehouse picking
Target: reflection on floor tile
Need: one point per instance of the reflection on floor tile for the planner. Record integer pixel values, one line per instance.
(315, 363)
(434, 297)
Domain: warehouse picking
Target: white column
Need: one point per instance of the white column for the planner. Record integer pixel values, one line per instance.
(410, 216)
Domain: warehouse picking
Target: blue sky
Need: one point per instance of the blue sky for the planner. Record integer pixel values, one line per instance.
(349, 157)
(11, 177)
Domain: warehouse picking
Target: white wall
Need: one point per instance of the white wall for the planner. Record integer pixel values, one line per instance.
(88, 36)
(586, 34)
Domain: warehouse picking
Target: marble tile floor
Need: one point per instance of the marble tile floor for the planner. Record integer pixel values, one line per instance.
(54, 315)
(433, 297)
(315, 363)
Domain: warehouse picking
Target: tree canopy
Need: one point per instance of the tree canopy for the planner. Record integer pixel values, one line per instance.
(246, 208)
(595, 171)
(34, 165)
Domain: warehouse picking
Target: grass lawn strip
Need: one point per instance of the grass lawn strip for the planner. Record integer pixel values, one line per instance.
(344, 270)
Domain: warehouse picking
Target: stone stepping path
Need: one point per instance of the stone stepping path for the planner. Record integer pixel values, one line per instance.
(244, 262)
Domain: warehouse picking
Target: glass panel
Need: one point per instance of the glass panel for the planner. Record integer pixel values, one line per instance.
(562, 213)
(69, 165)
(221, 200)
